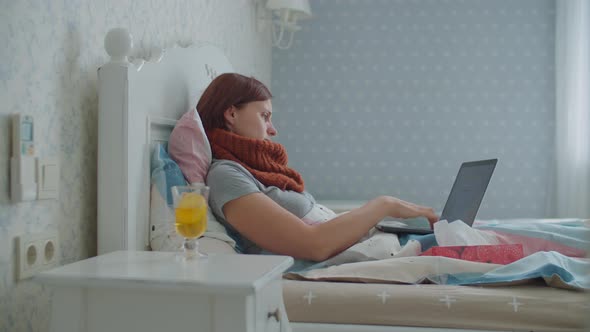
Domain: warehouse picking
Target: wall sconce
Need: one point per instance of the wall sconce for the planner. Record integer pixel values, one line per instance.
(284, 15)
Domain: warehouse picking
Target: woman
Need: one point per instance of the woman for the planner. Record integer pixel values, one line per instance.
(255, 193)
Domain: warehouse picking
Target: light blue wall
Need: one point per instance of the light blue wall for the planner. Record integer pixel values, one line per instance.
(389, 97)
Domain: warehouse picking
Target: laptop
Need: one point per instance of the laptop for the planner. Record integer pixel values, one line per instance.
(462, 204)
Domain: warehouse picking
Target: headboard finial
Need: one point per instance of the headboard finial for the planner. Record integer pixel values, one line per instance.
(118, 44)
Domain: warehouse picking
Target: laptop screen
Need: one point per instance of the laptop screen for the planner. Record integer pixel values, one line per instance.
(468, 191)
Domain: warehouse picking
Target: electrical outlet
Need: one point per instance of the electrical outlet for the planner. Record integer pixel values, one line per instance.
(35, 253)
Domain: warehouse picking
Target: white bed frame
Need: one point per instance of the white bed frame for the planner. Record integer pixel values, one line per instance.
(139, 102)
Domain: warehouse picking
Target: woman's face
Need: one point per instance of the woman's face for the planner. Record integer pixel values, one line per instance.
(253, 120)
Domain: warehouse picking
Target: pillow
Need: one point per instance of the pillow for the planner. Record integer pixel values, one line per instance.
(166, 174)
(189, 147)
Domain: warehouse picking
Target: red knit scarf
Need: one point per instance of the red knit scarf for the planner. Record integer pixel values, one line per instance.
(266, 160)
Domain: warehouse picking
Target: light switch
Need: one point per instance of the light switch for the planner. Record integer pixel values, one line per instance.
(47, 178)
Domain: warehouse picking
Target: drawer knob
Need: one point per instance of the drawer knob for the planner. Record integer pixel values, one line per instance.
(274, 314)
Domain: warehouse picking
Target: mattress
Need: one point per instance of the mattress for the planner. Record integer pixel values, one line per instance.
(529, 307)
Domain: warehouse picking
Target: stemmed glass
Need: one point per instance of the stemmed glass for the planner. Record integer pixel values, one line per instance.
(190, 210)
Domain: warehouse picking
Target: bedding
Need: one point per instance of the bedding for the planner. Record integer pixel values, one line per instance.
(496, 254)
(383, 257)
(570, 237)
(555, 269)
(531, 307)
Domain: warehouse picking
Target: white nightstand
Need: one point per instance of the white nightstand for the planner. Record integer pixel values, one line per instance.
(157, 291)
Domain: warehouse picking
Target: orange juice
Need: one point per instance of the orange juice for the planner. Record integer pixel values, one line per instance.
(191, 215)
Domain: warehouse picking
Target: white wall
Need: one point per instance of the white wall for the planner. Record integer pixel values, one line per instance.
(48, 60)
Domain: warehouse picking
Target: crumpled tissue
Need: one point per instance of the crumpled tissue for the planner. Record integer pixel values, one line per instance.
(458, 233)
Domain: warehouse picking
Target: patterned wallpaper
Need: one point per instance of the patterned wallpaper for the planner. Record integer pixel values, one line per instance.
(389, 97)
(50, 53)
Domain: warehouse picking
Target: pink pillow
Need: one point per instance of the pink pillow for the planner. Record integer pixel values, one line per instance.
(189, 147)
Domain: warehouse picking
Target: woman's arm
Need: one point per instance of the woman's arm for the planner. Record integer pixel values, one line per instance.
(264, 222)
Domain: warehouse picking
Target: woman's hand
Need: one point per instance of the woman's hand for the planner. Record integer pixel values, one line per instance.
(402, 209)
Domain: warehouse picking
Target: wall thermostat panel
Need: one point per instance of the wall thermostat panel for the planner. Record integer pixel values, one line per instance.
(23, 130)
(23, 183)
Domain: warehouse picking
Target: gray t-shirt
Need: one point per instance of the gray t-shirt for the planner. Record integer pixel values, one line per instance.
(229, 180)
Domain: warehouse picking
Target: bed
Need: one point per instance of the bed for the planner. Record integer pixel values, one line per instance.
(139, 104)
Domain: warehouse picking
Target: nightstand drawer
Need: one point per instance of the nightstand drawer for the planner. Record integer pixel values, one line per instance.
(270, 311)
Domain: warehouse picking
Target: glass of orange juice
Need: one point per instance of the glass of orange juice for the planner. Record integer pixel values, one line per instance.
(190, 211)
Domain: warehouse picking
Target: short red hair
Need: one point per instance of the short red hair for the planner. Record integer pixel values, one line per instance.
(225, 91)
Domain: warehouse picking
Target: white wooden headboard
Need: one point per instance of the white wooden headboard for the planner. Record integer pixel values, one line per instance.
(139, 102)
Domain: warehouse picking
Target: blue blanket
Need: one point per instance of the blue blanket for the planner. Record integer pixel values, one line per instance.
(554, 268)
(570, 272)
